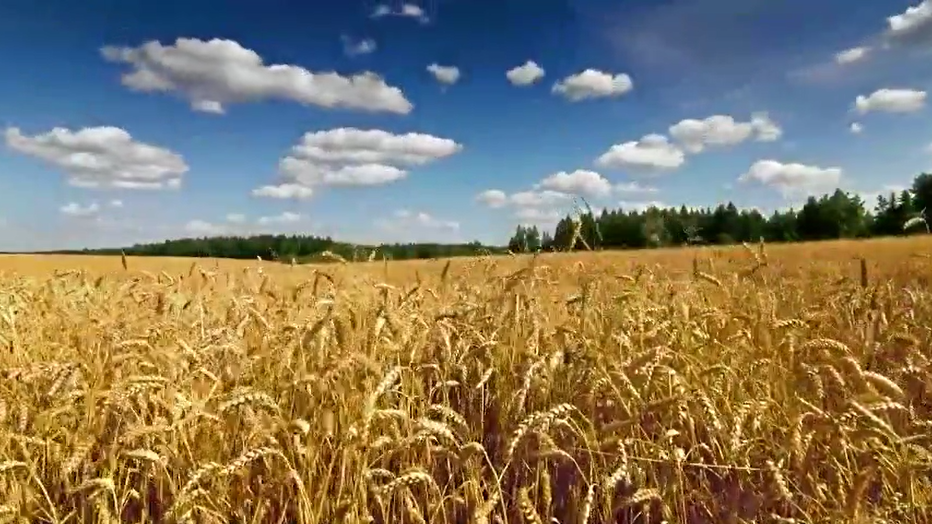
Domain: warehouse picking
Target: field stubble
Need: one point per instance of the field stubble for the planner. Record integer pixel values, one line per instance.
(564, 388)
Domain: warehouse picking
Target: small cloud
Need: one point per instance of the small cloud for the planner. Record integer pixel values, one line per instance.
(766, 130)
(652, 153)
(850, 56)
(545, 198)
(525, 75)
(723, 130)
(891, 101)
(236, 218)
(580, 182)
(116, 203)
(592, 84)
(542, 206)
(792, 179)
(102, 157)
(412, 11)
(914, 25)
(211, 74)
(494, 198)
(73, 209)
(406, 10)
(350, 157)
(284, 192)
(856, 128)
(285, 218)
(208, 106)
(447, 75)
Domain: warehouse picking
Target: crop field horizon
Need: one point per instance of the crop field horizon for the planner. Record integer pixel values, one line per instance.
(760, 383)
(798, 256)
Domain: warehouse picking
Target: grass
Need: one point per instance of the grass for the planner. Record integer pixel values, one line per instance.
(686, 386)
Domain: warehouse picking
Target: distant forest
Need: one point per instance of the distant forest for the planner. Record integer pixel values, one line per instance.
(302, 248)
(832, 216)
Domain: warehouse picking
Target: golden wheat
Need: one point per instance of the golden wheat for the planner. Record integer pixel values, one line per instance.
(565, 388)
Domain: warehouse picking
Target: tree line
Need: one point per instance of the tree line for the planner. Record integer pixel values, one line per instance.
(285, 248)
(831, 216)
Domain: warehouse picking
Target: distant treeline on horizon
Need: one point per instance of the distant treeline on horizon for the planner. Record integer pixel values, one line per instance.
(831, 216)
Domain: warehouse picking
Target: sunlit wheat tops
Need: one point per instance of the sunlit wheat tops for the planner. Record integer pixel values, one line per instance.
(713, 385)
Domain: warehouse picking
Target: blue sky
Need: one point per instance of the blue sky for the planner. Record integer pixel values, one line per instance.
(139, 121)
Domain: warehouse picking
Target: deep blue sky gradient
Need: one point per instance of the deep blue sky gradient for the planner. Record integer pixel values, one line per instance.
(687, 58)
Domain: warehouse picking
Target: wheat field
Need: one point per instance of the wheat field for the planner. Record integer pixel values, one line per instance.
(714, 385)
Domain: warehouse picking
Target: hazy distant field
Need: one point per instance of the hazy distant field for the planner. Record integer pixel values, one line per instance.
(682, 386)
(901, 257)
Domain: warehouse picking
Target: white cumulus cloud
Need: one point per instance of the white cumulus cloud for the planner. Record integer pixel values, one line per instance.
(651, 153)
(98, 157)
(311, 174)
(850, 56)
(494, 198)
(74, 209)
(792, 179)
(856, 128)
(543, 198)
(411, 10)
(912, 25)
(591, 84)
(541, 206)
(891, 101)
(722, 130)
(347, 157)
(358, 146)
(406, 10)
(212, 74)
(447, 75)
(765, 129)
(116, 203)
(580, 182)
(526, 74)
(284, 192)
